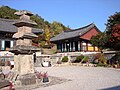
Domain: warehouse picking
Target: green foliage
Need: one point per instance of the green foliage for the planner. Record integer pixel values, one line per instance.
(51, 29)
(100, 40)
(65, 59)
(111, 37)
(101, 64)
(57, 27)
(7, 13)
(39, 20)
(79, 58)
(115, 59)
(113, 31)
(102, 59)
(112, 20)
(85, 59)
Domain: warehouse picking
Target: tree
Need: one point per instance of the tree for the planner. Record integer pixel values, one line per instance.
(8, 13)
(100, 41)
(47, 34)
(113, 31)
(57, 27)
(111, 37)
(54, 28)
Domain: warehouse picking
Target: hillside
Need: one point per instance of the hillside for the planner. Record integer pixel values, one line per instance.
(50, 29)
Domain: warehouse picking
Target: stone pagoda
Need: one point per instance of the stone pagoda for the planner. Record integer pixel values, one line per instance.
(23, 50)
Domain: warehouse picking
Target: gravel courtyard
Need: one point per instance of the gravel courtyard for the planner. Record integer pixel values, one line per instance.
(83, 78)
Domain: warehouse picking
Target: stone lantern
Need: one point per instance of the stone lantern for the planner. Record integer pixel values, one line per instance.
(23, 50)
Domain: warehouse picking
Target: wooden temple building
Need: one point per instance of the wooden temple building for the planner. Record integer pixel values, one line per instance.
(7, 29)
(76, 40)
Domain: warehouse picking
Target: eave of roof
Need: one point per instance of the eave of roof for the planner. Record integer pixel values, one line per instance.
(6, 25)
(72, 33)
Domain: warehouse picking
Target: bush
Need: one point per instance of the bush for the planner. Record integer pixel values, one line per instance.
(85, 59)
(78, 59)
(58, 62)
(46, 46)
(2, 63)
(115, 59)
(102, 59)
(65, 59)
(102, 64)
(97, 56)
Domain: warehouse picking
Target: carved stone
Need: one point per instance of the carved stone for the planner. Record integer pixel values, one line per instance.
(24, 63)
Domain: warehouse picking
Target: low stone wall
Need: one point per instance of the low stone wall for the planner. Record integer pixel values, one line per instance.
(7, 58)
(4, 60)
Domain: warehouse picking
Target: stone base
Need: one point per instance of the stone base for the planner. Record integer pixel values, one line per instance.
(23, 64)
(4, 83)
(27, 79)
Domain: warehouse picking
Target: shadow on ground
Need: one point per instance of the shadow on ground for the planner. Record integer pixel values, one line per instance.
(112, 88)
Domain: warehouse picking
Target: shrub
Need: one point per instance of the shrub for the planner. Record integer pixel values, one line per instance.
(102, 59)
(115, 59)
(58, 62)
(102, 64)
(79, 58)
(85, 59)
(2, 63)
(65, 59)
(97, 56)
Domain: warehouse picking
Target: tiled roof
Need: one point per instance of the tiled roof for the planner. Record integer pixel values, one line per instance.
(6, 25)
(72, 33)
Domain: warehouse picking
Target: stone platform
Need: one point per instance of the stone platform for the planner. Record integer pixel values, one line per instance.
(4, 83)
(53, 81)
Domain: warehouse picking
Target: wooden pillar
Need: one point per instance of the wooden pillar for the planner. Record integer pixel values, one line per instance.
(86, 46)
(60, 47)
(80, 46)
(94, 48)
(72, 46)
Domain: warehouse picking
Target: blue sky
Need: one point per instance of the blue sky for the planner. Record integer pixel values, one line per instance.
(72, 13)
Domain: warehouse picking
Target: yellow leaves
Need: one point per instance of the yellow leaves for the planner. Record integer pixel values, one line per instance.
(47, 33)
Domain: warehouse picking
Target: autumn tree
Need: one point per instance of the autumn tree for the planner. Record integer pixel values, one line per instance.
(47, 34)
(113, 31)
(111, 37)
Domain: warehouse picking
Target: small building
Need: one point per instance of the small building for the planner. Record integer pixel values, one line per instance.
(76, 40)
(7, 29)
